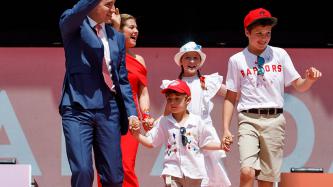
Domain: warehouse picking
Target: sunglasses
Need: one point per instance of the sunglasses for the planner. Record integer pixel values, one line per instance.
(184, 138)
(261, 62)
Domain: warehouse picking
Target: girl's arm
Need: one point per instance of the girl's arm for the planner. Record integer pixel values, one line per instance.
(213, 145)
(222, 91)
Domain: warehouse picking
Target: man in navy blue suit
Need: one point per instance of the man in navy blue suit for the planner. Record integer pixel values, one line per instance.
(94, 115)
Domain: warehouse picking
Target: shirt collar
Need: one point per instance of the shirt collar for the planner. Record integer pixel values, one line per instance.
(94, 23)
(189, 122)
(266, 54)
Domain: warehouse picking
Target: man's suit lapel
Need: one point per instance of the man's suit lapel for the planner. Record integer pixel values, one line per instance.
(89, 35)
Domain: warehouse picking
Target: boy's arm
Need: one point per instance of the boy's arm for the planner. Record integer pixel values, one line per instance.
(311, 76)
(135, 131)
(228, 108)
(143, 140)
(213, 145)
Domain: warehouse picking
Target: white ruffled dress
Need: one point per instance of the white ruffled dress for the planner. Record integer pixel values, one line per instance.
(202, 105)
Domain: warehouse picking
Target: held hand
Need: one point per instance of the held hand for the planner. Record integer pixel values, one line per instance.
(148, 123)
(227, 140)
(225, 147)
(134, 125)
(227, 137)
(312, 74)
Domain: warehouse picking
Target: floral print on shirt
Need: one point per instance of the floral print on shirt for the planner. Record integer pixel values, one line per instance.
(172, 146)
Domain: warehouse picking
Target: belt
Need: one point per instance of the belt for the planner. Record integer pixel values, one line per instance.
(268, 111)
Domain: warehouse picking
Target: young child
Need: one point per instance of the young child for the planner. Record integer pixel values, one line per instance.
(184, 134)
(190, 59)
(259, 74)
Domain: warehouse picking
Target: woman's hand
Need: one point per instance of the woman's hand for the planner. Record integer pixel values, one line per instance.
(148, 123)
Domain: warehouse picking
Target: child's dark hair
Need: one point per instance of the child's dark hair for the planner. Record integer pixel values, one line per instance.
(262, 22)
(202, 78)
(169, 92)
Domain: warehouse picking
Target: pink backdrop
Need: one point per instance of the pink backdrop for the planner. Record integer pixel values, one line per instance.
(31, 131)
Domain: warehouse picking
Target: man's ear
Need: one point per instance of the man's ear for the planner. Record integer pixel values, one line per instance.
(188, 99)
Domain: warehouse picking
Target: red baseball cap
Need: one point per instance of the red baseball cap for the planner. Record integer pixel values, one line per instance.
(258, 14)
(178, 86)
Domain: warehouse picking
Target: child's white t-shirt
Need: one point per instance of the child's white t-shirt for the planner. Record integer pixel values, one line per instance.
(181, 160)
(260, 91)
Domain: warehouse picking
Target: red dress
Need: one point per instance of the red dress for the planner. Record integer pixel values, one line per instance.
(137, 75)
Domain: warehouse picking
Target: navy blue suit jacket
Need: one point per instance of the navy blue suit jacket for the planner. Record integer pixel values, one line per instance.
(83, 83)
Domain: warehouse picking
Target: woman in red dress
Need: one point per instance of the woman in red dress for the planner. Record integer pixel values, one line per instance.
(137, 76)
